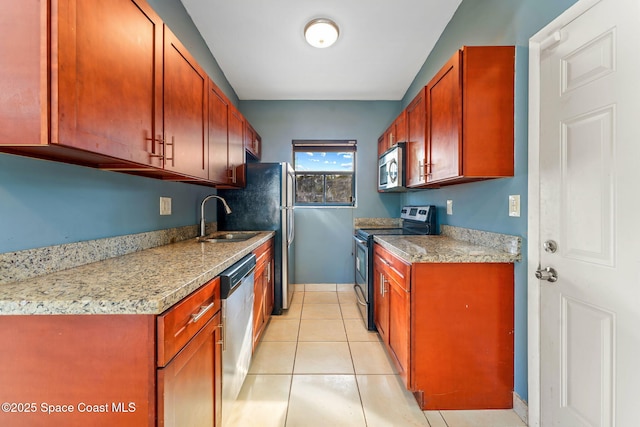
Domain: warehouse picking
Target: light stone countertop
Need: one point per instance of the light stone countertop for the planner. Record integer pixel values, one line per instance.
(446, 249)
(144, 282)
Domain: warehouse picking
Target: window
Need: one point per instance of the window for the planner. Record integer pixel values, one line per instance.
(325, 172)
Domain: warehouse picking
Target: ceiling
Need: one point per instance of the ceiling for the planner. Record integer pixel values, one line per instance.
(260, 46)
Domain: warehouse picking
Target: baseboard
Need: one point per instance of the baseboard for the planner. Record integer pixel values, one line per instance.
(520, 408)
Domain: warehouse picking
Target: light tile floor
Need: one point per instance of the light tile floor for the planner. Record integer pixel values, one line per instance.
(317, 365)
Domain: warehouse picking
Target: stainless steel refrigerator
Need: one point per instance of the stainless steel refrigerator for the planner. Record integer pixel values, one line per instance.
(266, 203)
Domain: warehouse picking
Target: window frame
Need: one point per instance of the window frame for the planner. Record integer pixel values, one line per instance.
(326, 146)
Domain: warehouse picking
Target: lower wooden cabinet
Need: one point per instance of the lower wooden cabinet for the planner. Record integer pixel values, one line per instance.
(449, 329)
(190, 384)
(189, 381)
(263, 289)
(114, 370)
(392, 312)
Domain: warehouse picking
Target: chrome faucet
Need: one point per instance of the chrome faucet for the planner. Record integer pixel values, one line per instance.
(202, 221)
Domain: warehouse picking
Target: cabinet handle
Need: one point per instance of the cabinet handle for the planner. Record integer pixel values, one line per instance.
(390, 140)
(429, 169)
(421, 169)
(221, 341)
(197, 316)
(231, 174)
(382, 285)
(269, 272)
(160, 141)
(173, 150)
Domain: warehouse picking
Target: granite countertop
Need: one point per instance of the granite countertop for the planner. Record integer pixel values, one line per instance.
(145, 282)
(452, 246)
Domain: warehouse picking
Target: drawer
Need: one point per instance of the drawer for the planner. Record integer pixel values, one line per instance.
(393, 265)
(182, 322)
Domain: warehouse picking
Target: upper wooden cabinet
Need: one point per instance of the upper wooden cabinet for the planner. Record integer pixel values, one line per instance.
(236, 159)
(104, 81)
(252, 141)
(108, 85)
(459, 127)
(396, 132)
(470, 116)
(416, 156)
(218, 136)
(185, 111)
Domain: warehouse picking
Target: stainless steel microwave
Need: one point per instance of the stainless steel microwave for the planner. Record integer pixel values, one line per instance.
(391, 169)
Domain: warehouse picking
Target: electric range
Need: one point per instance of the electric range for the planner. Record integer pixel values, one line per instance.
(416, 220)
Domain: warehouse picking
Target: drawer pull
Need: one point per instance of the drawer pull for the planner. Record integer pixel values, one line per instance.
(196, 316)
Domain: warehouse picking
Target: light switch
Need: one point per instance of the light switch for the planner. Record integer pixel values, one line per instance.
(449, 207)
(165, 205)
(514, 205)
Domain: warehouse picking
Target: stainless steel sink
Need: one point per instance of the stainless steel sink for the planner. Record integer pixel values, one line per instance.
(228, 236)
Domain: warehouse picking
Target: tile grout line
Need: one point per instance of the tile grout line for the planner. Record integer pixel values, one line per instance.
(293, 367)
(355, 374)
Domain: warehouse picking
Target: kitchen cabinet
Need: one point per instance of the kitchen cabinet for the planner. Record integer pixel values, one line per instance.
(252, 141)
(449, 330)
(392, 312)
(470, 108)
(236, 156)
(396, 132)
(459, 127)
(190, 360)
(99, 100)
(416, 153)
(125, 370)
(218, 135)
(263, 290)
(185, 146)
(110, 86)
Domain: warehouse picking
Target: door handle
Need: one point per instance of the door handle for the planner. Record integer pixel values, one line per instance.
(549, 274)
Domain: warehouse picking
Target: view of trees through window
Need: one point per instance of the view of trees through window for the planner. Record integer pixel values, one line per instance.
(325, 172)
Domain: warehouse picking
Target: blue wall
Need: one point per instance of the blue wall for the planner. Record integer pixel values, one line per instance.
(46, 203)
(323, 242)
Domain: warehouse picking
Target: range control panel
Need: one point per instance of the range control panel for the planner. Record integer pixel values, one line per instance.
(418, 213)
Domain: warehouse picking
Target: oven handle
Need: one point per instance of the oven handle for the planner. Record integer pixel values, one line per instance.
(357, 288)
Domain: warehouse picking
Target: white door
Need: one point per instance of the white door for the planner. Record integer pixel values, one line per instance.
(588, 172)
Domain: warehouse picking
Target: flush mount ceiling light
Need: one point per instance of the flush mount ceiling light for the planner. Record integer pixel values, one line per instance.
(321, 32)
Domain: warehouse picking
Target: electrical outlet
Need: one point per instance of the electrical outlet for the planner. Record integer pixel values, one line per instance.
(514, 205)
(449, 207)
(165, 205)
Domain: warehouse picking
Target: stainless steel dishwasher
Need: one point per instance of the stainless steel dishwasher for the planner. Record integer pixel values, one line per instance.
(236, 291)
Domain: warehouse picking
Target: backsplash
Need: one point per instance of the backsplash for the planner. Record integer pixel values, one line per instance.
(29, 263)
(377, 222)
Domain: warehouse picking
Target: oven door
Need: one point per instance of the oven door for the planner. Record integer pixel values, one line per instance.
(361, 286)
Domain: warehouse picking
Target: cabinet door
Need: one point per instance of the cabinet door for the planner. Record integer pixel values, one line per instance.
(444, 114)
(400, 128)
(187, 386)
(380, 300)
(252, 141)
(258, 302)
(416, 147)
(218, 135)
(236, 148)
(23, 46)
(268, 291)
(399, 326)
(108, 96)
(382, 146)
(185, 83)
